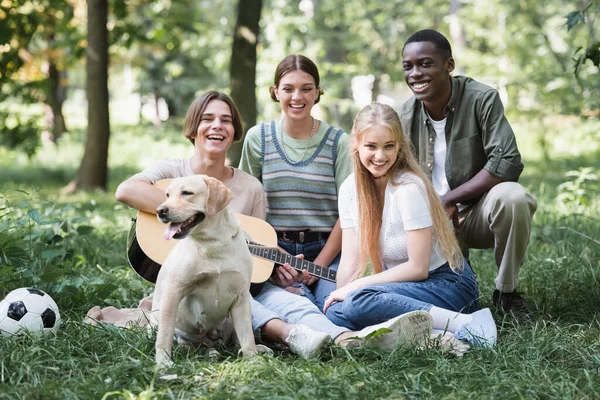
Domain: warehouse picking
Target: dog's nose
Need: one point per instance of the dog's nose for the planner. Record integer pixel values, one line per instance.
(162, 211)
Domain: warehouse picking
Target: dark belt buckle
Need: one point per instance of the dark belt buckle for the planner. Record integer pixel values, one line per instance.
(297, 237)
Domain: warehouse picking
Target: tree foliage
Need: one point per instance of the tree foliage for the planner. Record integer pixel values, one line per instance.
(93, 171)
(39, 41)
(591, 51)
(178, 48)
(242, 67)
(175, 50)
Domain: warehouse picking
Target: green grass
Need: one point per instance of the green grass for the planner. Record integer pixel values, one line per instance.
(74, 247)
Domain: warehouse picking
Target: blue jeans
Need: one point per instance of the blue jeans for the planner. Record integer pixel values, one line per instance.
(444, 288)
(317, 292)
(274, 302)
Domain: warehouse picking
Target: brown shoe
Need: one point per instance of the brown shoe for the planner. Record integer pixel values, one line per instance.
(511, 302)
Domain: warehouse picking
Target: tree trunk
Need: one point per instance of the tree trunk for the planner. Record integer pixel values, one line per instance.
(156, 120)
(58, 95)
(336, 53)
(242, 68)
(171, 106)
(457, 34)
(93, 172)
(57, 78)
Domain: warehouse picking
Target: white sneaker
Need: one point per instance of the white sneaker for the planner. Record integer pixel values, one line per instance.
(305, 342)
(412, 328)
(481, 330)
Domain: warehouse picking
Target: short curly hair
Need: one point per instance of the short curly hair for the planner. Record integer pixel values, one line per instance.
(429, 35)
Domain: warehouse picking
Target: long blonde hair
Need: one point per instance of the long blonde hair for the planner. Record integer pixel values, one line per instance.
(370, 207)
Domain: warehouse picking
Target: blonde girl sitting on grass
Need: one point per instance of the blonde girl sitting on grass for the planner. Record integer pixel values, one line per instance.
(390, 214)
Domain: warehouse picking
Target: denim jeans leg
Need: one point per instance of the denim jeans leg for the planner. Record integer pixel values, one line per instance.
(323, 288)
(468, 289)
(372, 305)
(335, 314)
(456, 291)
(260, 315)
(445, 288)
(310, 249)
(310, 253)
(295, 309)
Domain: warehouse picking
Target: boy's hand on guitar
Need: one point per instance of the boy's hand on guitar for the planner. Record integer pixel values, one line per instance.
(303, 276)
(285, 275)
(306, 278)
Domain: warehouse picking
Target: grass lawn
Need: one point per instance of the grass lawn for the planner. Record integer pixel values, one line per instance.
(74, 248)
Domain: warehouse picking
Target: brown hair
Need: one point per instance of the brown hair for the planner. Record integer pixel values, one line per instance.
(194, 115)
(370, 208)
(296, 62)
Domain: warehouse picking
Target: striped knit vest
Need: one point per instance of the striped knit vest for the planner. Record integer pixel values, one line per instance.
(300, 196)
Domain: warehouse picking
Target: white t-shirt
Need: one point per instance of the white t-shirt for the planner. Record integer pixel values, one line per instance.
(438, 175)
(406, 208)
(247, 191)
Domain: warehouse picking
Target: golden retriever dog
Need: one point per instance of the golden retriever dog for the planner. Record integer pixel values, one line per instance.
(206, 276)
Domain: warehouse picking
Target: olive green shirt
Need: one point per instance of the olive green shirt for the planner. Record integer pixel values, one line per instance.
(478, 136)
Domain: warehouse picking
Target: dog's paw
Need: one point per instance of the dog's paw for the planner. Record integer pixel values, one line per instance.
(164, 365)
(163, 362)
(258, 349)
(246, 353)
(213, 354)
(264, 350)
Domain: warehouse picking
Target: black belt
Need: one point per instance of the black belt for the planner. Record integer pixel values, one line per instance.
(302, 236)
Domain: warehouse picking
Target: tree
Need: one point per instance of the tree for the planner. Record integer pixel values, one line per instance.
(58, 35)
(93, 172)
(364, 39)
(39, 40)
(176, 49)
(592, 50)
(242, 67)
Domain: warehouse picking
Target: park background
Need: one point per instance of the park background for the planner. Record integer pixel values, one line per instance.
(92, 92)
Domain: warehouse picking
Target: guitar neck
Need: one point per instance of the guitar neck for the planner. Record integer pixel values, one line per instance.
(273, 254)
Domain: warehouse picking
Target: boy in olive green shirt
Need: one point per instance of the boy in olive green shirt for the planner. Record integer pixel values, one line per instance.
(467, 147)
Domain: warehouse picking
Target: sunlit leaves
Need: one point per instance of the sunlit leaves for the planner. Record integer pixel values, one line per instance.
(592, 50)
(591, 53)
(574, 18)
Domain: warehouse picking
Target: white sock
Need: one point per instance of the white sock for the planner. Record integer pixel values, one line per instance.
(451, 321)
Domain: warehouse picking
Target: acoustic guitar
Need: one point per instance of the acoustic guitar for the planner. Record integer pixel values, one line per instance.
(147, 249)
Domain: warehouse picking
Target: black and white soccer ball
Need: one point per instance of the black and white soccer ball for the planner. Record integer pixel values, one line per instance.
(28, 310)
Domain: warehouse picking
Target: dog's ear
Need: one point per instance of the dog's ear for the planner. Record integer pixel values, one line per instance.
(217, 196)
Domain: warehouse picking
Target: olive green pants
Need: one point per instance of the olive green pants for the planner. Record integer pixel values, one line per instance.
(501, 220)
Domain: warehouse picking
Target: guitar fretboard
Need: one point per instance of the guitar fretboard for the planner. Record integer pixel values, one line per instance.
(299, 264)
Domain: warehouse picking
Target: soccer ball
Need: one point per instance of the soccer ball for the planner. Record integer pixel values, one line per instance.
(28, 309)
